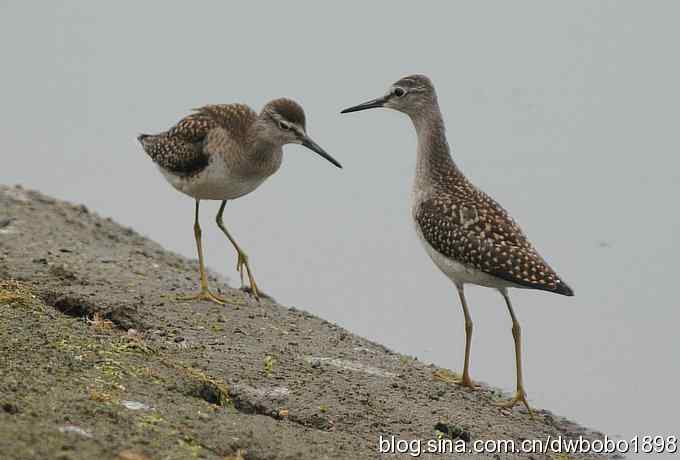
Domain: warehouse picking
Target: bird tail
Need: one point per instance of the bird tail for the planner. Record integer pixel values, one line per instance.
(564, 289)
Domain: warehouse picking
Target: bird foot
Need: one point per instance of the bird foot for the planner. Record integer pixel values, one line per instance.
(256, 294)
(204, 294)
(444, 375)
(520, 396)
(242, 265)
(466, 381)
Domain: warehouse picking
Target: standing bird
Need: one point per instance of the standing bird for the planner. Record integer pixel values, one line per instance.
(469, 236)
(222, 152)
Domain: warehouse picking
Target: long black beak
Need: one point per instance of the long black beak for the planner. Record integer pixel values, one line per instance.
(380, 102)
(311, 145)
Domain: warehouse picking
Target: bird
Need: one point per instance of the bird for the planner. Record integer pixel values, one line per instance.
(469, 236)
(223, 152)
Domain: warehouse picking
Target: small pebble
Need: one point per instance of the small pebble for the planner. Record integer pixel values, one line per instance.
(135, 405)
(75, 429)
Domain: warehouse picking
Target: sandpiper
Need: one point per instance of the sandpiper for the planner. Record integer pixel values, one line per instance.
(225, 151)
(469, 236)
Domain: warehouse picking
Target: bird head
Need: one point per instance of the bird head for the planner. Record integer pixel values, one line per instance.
(283, 122)
(412, 95)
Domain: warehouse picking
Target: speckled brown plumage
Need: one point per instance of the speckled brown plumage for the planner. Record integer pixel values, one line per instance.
(462, 222)
(465, 224)
(181, 149)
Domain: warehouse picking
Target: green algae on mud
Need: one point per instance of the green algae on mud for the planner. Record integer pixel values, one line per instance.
(77, 376)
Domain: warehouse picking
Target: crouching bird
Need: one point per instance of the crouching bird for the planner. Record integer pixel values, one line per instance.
(222, 152)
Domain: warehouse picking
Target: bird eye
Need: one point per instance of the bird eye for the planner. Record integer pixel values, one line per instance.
(284, 126)
(399, 92)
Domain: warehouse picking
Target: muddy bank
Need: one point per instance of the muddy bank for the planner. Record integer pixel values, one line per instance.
(98, 359)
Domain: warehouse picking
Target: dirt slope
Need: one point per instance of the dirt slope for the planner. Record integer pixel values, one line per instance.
(99, 360)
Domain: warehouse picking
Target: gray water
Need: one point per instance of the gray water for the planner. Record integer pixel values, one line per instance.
(567, 113)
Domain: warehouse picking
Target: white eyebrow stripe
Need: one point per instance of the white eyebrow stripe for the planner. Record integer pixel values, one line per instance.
(294, 126)
(298, 129)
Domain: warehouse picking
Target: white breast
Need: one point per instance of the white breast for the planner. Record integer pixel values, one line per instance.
(216, 182)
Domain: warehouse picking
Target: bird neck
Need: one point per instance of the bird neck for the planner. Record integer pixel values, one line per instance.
(263, 148)
(434, 156)
(260, 145)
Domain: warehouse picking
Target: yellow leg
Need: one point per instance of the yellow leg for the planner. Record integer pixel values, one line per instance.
(242, 257)
(520, 394)
(466, 380)
(204, 293)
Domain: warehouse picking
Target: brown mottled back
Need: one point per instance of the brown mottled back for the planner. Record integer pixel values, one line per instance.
(181, 148)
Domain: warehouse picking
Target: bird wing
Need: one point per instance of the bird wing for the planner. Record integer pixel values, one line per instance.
(236, 119)
(183, 150)
(470, 227)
